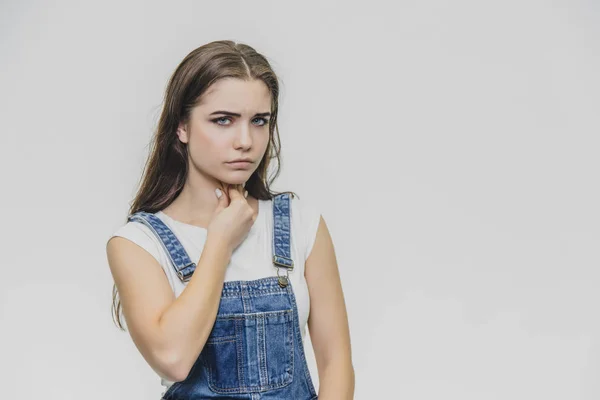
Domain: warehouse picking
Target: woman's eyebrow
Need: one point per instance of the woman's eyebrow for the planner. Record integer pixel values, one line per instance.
(265, 114)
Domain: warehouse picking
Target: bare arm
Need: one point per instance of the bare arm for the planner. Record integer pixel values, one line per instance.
(169, 332)
(328, 320)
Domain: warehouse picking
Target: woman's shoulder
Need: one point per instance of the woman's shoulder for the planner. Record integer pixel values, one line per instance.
(307, 208)
(140, 234)
(305, 216)
(143, 236)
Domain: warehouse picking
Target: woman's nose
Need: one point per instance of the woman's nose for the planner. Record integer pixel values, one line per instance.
(243, 138)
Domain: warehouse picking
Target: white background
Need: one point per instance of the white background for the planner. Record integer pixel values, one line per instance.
(452, 147)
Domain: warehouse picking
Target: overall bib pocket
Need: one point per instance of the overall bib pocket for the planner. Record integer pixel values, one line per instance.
(250, 352)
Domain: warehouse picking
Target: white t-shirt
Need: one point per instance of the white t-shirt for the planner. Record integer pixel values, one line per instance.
(252, 259)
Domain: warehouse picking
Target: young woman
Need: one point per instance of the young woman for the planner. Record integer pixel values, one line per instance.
(218, 276)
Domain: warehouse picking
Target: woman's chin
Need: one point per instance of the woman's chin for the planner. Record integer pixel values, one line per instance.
(236, 177)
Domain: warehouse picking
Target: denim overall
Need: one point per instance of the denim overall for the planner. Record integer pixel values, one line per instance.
(255, 348)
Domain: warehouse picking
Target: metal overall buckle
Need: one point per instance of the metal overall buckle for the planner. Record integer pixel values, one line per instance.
(283, 280)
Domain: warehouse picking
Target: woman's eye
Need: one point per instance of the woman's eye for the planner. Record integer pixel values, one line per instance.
(216, 121)
(264, 121)
(220, 119)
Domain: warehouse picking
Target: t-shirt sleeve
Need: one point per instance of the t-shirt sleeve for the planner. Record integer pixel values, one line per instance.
(140, 234)
(143, 236)
(311, 216)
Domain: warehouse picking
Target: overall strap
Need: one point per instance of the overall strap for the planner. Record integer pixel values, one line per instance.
(184, 267)
(281, 232)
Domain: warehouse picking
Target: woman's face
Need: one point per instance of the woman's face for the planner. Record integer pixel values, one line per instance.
(231, 122)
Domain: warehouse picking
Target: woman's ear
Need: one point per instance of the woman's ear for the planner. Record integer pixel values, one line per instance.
(182, 133)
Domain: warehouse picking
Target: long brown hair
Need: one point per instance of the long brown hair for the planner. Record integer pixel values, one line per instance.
(166, 168)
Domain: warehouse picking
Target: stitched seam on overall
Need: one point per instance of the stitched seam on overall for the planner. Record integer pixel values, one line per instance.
(263, 377)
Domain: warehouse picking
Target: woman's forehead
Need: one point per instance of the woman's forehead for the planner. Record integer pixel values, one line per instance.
(237, 95)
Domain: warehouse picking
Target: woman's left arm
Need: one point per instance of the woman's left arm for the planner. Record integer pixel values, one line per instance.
(328, 320)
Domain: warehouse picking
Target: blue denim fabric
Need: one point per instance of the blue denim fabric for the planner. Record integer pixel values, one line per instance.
(255, 348)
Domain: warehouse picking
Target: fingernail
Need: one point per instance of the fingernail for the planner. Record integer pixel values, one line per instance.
(246, 194)
(218, 192)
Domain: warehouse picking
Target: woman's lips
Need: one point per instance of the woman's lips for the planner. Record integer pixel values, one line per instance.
(240, 164)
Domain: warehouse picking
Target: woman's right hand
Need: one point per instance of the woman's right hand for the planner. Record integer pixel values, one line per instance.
(232, 219)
